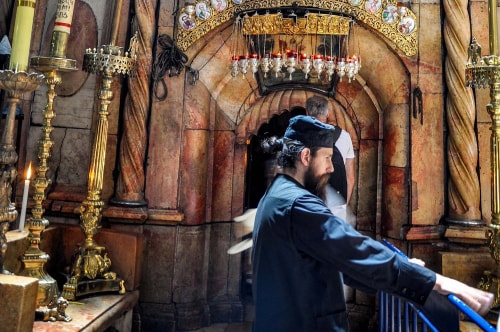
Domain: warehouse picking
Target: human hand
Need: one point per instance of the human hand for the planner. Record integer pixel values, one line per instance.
(478, 300)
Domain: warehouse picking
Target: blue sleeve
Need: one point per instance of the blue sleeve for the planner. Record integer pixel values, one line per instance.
(332, 241)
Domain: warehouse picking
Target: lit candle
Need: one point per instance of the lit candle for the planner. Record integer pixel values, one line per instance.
(21, 39)
(25, 199)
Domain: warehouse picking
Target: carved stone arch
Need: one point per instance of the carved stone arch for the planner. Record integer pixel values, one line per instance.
(276, 102)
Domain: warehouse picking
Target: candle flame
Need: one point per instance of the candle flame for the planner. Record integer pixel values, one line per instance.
(28, 173)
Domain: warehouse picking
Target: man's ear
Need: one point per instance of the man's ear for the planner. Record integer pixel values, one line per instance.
(305, 156)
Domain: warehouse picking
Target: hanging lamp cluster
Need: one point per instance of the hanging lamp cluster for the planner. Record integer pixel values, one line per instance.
(298, 47)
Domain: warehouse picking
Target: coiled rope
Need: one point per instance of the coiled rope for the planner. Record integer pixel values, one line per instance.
(172, 60)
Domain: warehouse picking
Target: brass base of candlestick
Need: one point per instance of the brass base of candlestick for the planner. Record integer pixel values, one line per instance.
(46, 64)
(34, 261)
(91, 287)
(34, 268)
(91, 275)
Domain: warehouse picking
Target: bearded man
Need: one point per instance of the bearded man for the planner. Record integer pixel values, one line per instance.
(302, 254)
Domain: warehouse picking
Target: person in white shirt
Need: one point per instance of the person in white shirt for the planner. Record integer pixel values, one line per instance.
(317, 106)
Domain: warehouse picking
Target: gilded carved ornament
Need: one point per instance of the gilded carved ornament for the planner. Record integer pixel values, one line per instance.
(397, 23)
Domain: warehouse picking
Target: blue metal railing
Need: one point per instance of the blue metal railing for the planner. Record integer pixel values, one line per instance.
(396, 314)
(473, 316)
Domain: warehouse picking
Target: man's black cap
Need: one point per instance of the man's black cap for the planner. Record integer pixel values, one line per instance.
(310, 131)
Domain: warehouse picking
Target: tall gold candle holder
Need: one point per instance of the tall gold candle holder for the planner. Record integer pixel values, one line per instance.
(91, 269)
(16, 84)
(484, 72)
(34, 259)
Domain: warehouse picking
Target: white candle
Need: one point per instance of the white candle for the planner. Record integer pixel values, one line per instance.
(62, 28)
(25, 199)
(64, 15)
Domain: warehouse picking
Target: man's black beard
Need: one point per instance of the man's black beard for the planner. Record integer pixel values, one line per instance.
(316, 185)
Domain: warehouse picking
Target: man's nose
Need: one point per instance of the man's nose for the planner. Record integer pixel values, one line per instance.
(330, 168)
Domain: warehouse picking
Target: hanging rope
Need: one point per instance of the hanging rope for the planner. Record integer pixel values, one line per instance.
(172, 60)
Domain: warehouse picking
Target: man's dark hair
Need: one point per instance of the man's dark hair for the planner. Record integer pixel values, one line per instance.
(287, 150)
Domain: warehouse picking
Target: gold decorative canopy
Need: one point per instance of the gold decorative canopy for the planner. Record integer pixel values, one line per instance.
(313, 24)
(392, 19)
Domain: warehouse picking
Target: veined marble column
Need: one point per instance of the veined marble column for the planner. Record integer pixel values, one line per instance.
(463, 189)
(131, 179)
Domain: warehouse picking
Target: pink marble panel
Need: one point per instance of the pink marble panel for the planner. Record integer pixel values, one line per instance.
(193, 176)
(389, 81)
(222, 183)
(430, 39)
(233, 94)
(220, 120)
(428, 177)
(367, 115)
(162, 173)
(203, 50)
(484, 143)
(367, 184)
(196, 107)
(396, 135)
(240, 157)
(395, 202)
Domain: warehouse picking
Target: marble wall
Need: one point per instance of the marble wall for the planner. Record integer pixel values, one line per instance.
(175, 168)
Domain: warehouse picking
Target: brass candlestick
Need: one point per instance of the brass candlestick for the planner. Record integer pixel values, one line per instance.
(34, 258)
(16, 84)
(91, 268)
(482, 72)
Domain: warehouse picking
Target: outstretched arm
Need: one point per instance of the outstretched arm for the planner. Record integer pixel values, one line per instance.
(479, 301)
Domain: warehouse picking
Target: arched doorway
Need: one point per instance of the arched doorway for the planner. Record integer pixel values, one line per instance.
(261, 166)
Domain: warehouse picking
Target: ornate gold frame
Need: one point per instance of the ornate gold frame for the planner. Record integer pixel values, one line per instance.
(407, 43)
